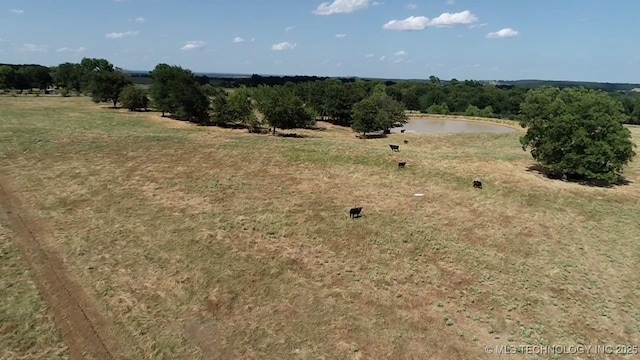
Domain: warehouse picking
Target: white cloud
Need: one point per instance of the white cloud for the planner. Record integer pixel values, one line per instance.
(341, 7)
(79, 50)
(283, 46)
(382, 58)
(140, 20)
(401, 53)
(194, 45)
(369, 56)
(411, 6)
(448, 19)
(238, 40)
(412, 23)
(399, 60)
(16, 11)
(477, 25)
(504, 33)
(33, 48)
(341, 35)
(451, 2)
(120, 35)
(417, 23)
(289, 28)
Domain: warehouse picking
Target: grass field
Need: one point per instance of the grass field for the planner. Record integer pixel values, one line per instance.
(197, 242)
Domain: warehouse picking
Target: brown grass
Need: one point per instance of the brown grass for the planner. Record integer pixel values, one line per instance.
(27, 330)
(215, 243)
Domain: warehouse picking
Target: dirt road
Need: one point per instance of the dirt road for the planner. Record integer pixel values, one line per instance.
(82, 327)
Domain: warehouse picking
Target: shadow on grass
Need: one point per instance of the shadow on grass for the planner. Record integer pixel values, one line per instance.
(556, 175)
(293, 135)
(372, 136)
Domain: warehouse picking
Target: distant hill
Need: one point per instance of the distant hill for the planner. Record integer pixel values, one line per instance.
(609, 87)
(530, 83)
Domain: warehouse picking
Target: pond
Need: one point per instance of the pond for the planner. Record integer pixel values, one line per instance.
(450, 126)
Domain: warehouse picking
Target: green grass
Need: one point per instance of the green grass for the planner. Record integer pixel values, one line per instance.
(211, 243)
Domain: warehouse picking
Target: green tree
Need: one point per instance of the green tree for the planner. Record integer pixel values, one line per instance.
(90, 66)
(7, 77)
(241, 106)
(578, 132)
(378, 112)
(134, 98)
(442, 109)
(365, 116)
(106, 86)
(473, 110)
(635, 114)
(37, 76)
(186, 97)
(282, 109)
(219, 106)
(175, 90)
(68, 76)
(159, 90)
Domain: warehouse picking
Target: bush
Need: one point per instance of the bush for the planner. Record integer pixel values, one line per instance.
(577, 132)
(442, 109)
(134, 98)
(64, 93)
(477, 112)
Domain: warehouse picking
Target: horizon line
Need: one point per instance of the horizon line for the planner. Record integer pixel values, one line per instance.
(388, 79)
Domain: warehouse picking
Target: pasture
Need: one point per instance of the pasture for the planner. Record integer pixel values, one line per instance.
(188, 242)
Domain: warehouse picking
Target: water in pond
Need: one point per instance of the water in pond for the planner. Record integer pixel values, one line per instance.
(448, 126)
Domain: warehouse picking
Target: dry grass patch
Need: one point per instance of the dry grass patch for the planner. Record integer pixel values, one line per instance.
(27, 329)
(212, 243)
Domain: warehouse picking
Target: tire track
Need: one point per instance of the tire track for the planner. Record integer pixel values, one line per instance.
(83, 328)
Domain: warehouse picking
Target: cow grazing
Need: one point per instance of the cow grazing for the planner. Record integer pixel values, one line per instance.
(394, 147)
(355, 212)
(402, 131)
(406, 141)
(402, 164)
(477, 184)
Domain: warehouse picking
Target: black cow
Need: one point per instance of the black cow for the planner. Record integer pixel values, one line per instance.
(477, 184)
(355, 212)
(402, 164)
(406, 141)
(394, 147)
(402, 131)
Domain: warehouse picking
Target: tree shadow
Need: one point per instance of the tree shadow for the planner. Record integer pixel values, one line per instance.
(557, 175)
(372, 136)
(292, 135)
(317, 128)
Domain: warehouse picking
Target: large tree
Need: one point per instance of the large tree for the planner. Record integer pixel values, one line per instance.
(89, 67)
(577, 132)
(68, 76)
(378, 112)
(282, 108)
(7, 77)
(232, 107)
(159, 91)
(176, 91)
(106, 86)
(186, 97)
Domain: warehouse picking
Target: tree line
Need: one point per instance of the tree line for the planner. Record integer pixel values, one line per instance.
(333, 99)
(576, 132)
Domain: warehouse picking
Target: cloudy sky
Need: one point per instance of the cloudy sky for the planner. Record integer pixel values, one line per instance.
(590, 40)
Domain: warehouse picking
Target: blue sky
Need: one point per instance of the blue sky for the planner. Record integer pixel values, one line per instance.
(587, 40)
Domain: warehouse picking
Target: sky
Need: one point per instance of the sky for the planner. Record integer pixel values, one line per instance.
(580, 40)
